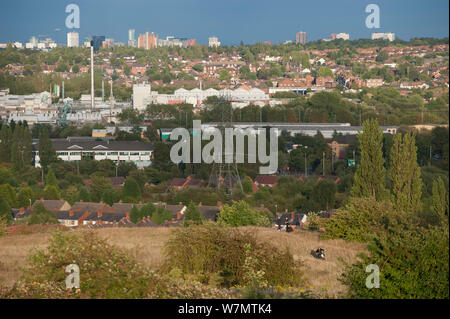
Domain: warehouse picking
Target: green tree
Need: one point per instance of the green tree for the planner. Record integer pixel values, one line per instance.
(109, 197)
(8, 193)
(382, 56)
(404, 173)
(241, 214)
(370, 174)
(25, 197)
(5, 143)
(198, 67)
(224, 75)
(99, 185)
(5, 210)
(161, 215)
(75, 69)
(247, 185)
(135, 215)
(323, 194)
(147, 210)
(50, 179)
(21, 148)
(192, 215)
(51, 192)
(324, 71)
(41, 215)
(413, 265)
(46, 153)
(440, 205)
(84, 195)
(131, 191)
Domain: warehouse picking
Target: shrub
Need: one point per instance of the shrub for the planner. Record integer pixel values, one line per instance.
(105, 271)
(41, 215)
(5, 210)
(160, 215)
(3, 225)
(131, 191)
(192, 215)
(324, 194)
(51, 192)
(313, 221)
(413, 264)
(216, 255)
(241, 214)
(361, 218)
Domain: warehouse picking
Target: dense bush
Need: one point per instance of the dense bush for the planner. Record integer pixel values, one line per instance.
(41, 215)
(192, 215)
(105, 272)
(241, 214)
(413, 264)
(217, 256)
(361, 218)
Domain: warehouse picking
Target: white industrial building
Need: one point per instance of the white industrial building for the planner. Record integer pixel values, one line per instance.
(76, 149)
(343, 36)
(27, 103)
(310, 129)
(383, 36)
(213, 42)
(143, 96)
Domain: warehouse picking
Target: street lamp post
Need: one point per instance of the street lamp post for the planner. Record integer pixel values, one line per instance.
(430, 155)
(323, 163)
(306, 169)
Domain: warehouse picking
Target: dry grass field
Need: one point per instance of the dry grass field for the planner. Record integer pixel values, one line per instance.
(146, 245)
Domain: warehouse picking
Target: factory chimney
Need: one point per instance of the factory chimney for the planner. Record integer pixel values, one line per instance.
(92, 76)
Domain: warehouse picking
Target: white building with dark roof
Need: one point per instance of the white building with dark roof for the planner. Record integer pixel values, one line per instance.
(72, 150)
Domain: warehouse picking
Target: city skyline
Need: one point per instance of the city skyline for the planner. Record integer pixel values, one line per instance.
(244, 21)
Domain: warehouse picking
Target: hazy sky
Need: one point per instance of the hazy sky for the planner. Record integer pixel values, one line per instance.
(231, 20)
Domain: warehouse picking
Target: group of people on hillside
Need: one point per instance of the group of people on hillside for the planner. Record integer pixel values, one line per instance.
(288, 227)
(318, 253)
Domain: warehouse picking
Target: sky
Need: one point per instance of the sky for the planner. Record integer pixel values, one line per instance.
(250, 21)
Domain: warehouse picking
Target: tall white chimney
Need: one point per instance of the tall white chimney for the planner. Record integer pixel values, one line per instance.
(92, 76)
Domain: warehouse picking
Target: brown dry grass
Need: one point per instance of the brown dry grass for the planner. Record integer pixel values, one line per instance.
(146, 243)
(322, 275)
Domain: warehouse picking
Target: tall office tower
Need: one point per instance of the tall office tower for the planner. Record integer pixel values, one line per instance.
(189, 43)
(147, 41)
(383, 36)
(34, 41)
(32, 44)
(97, 41)
(300, 37)
(213, 42)
(73, 40)
(132, 38)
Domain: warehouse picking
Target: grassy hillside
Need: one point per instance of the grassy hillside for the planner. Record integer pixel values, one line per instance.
(146, 244)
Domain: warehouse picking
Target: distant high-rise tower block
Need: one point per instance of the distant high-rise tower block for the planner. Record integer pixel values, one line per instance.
(132, 38)
(108, 43)
(98, 41)
(147, 41)
(73, 39)
(300, 37)
(213, 42)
